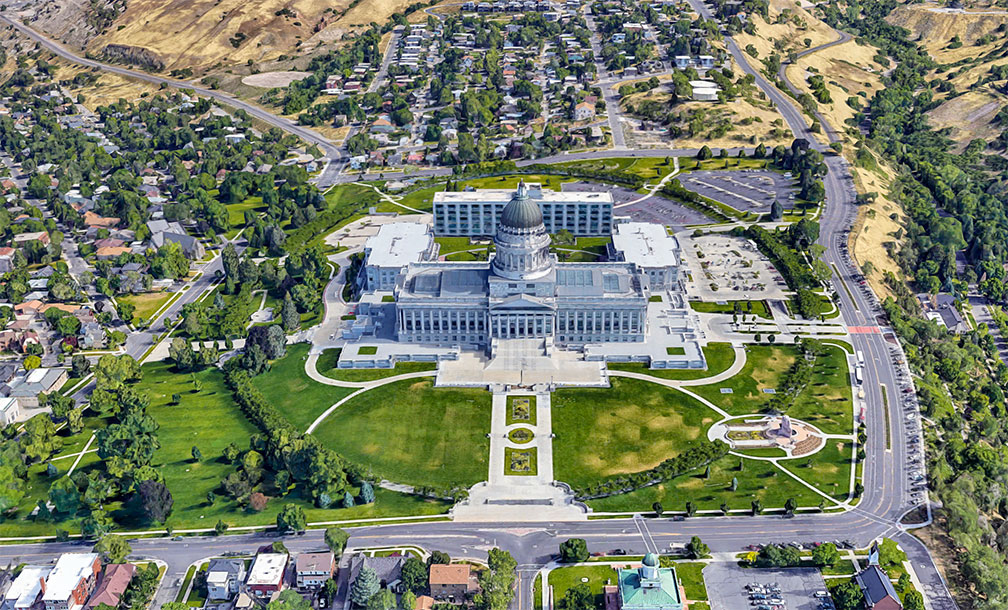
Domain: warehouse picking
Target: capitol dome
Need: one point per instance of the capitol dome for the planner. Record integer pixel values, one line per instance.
(521, 212)
(522, 241)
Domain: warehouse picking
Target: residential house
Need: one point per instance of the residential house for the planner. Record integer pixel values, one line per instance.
(112, 585)
(942, 309)
(382, 125)
(424, 602)
(24, 592)
(388, 569)
(453, 582)
(27, 388)
(9, 411)
(163, 232)
(92, 335)
(21, 239)
(313, 569)
(6, 259)
(878, 590)
(224, 578)
(584, 111)
(71, 581)
(267, 574)
(102, 222)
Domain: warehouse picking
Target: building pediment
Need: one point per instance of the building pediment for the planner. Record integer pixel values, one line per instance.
(522, 303)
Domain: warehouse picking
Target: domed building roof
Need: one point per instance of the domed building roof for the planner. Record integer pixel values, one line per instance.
(521, 212)
(651, 560)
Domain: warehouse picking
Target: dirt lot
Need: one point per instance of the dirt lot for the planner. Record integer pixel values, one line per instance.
(268, 80)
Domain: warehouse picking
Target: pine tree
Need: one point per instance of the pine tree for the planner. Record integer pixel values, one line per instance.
(288, 314)
(366, 493)
(365, 586)
(348, 500)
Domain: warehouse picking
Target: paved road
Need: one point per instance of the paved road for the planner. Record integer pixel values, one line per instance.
(608, 94)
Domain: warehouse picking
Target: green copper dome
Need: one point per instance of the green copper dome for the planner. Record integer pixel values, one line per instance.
(651, 560)
(521, 212)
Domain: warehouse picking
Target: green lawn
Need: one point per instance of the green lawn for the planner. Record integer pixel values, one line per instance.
(146, 303)
(828, 470)
(537, 592)
(690, 574)
(630, 427)
(719, 357)
(746, 308)
(236, 211)
(564, 578)
(828, 402)
(757, 479)
(765, 364)
(327, 366)
(447, 245)
(511, 181)
(295, 395)
(411, 432)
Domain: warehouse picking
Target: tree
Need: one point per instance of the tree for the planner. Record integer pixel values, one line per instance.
(289, 315)
(407, 601)
(330, 587)
(696, 548)
(382, 600)
(154, 500)
(289, 599)
(39, 440)
(690, 508)
(657, 508)
(367, 493)
(336, 539)
(96, 524)
(825, 555)
(32, 362)
(438, 557)
(113, 549)
(890, 554)
(364, 587)
(757, 507)
(574, 550)
(80, 366)
(579, 597)
(848, 595)
(348, 501)
(65, 496)
(704, 153)
(776, 210)
(175, 606)
(790, 505)
(291, 519)
(221, 527)
(913, 600)
(197, 455)
(497, 582)
(414, 575)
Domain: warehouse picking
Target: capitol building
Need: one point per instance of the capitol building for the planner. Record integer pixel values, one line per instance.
(522, 293)
(629, 308)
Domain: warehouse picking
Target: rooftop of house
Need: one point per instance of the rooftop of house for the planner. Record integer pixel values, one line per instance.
(70, 569)
(450, 574)
(315, 562)
(267, 569)
(113, 583)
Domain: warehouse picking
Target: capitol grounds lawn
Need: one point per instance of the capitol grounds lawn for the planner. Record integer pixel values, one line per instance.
(411, 432)
(690, 574)
(757, 479)
(327, 366)
(826, 402)
(828, 470)
(295, 395)
(632, 426)
(759, 308)
(719, 357)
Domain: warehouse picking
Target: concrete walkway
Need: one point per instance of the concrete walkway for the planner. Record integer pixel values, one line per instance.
(361, 388)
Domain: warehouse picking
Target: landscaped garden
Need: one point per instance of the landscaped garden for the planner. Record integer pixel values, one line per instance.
(410, 432)
(521, 410)
(521, 462)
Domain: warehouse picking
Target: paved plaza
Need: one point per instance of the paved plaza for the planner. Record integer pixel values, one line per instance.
(722, 267)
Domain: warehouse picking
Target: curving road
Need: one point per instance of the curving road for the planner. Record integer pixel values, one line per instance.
(885, 500)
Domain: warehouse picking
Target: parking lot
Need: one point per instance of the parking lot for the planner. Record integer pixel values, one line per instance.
(731, 587)
(744, 190)
(653, 209)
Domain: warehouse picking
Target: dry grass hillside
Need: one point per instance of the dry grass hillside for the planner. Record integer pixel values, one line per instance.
(789, 26)
(877, 224)
(934, 25)
(848, 70)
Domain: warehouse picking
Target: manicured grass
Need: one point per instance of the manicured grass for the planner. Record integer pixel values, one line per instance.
(511, 181)
(367, 350)
(765, 364)
(564, 578)
(513, 459)
(842, 568)
(719, 357)
(516, 405)
(632, 426)
(236, 211)
(675, 351)
(828, 470)
(758, 308)
(180, 596)
(146, 303)
(757, 479)
(537, 592)
(690, 574)
(410, 432)
(295, 395)
(521, 436)
(447, 245)
(327, 366)
(827, 401)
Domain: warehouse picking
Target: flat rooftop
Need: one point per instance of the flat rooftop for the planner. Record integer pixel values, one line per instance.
(646, 244)
(70, 569)
(398, 243)
(26, 587)
(267, 569)
(535, 192)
